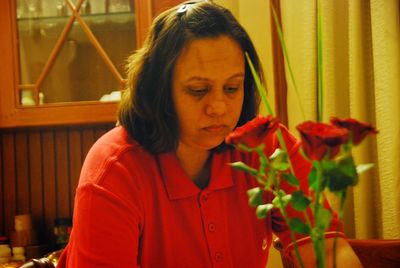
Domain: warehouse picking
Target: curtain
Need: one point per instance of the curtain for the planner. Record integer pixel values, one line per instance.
(361, 76)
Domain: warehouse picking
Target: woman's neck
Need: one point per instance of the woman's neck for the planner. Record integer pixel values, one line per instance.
(196, 163)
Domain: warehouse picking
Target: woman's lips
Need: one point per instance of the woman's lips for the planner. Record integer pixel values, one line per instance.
(215, 128)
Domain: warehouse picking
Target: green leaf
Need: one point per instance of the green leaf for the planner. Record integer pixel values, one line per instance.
(337, 180)
(312, 178)
(347, 166)
(242, 166)
(328, 165)
(298, 226)
(281, 166)
(291, 179)
(320, 102)
(262, 210)
(286, 57)
(261, 90)
(364, 167)
(245, 148)
(279, 155)
(299, 200)
(255, 196)
(323, 218)
(342, 176)
(281, 201)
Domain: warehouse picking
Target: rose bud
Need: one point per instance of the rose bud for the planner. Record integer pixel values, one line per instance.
(319, 139)
(253, 133)
(357, 129)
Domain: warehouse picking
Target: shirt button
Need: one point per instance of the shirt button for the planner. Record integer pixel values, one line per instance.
(264, 244)
(211, 227)
(218, 256)
(204, 198)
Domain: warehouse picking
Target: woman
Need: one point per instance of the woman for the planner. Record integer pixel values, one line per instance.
(157, 191)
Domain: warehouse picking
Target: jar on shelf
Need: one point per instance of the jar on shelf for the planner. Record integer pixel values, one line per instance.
(62, 230)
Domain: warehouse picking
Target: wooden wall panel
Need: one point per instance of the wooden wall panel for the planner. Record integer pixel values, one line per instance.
(9, 199)
(75, 160)
(36, 179)
(62, 174)
(39, 171)
(22, 179)
(1, 187)
(49, 181)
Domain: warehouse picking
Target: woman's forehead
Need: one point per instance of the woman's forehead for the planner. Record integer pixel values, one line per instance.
(218, 54)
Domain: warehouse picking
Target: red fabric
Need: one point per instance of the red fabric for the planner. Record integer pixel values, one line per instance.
(134, 209)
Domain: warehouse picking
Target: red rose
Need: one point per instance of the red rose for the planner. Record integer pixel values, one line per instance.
(320, 139)
(357, 129)
(253, 132)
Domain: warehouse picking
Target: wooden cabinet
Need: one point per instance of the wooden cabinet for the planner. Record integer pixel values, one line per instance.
(44, 84)
(40, 166)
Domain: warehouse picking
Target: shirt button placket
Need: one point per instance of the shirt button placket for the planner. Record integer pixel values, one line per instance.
(204, 198)
(208, 210)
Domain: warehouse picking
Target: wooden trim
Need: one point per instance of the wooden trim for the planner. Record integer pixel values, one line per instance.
(13, 51)
(47, 115)
(144, 17)
(8, 67)
(279, 68)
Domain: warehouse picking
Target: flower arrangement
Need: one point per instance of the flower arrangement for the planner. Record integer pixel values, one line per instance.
(328, 149)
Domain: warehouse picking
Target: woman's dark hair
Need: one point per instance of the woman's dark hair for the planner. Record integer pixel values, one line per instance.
(147, 110)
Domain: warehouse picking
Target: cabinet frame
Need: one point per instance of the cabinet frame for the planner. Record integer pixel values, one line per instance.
(86, 112)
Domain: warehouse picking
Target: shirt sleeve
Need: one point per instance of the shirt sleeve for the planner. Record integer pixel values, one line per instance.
(302, 168)
(106, 226)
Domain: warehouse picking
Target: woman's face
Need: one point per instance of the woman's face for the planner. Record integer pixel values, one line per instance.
(207, 91)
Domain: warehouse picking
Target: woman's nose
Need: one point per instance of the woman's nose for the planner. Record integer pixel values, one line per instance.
(216, 107)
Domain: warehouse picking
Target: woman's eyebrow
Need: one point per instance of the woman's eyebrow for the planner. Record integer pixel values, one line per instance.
(241, 74)
(196, 78)
(200, 78)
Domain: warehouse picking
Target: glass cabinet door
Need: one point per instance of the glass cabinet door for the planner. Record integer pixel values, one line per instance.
(73, 51)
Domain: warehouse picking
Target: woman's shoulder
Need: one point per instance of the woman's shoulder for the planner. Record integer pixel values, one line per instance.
(114, 144)
(113, 147)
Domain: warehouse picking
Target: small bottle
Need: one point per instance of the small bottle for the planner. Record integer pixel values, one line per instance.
(18, 254)
(62, 230)
(5, 253)
(86, 8)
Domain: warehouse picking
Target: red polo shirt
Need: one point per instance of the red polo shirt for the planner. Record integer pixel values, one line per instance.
(135, 209)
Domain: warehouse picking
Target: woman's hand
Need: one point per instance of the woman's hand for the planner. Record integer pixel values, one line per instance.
(345, 256)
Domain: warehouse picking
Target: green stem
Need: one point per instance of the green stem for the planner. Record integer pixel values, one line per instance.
(319, 248)
(284, 148)
(292, 235)
(340, 215)
(320, 111)
(318, 234)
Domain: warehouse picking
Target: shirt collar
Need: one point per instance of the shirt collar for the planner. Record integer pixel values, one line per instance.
(178, 185)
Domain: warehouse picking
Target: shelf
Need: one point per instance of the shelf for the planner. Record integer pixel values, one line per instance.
(50, 26)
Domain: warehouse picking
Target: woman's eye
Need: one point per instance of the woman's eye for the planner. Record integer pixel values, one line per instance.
(198, 91)
(231, 89)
